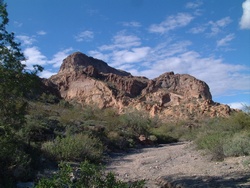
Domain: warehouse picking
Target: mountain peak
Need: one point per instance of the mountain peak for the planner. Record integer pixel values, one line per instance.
(80, 60)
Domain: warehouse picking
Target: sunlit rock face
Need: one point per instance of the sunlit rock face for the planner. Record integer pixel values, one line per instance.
(171, 96)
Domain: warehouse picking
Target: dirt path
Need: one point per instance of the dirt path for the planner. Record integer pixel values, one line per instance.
(180, 165)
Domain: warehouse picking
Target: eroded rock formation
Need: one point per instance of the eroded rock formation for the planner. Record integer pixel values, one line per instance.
(171, 96)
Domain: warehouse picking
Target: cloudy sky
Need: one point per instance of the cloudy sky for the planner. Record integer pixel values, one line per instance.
(209, 39)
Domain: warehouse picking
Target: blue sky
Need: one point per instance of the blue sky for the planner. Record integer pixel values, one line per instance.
(209, 39)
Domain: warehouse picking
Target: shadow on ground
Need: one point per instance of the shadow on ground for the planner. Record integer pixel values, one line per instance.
(177, 181)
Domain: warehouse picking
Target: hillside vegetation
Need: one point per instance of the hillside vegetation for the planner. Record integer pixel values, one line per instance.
(60, 131)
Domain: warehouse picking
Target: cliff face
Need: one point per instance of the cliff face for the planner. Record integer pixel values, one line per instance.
(92, 81)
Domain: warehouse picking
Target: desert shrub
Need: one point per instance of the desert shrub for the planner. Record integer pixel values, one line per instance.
(117, 140)
(213, 143)
(122, 131)
(65, 104)
(91, 112)
(224, 137)
(74, 148)
(246, 163)
(246, 109)
(67, 115)
(135, 123)
(108, 115)
(168, 132)
(36, 133)
(88, 175)
(238, 145)
(49, 98)
(152, 138)
(240, 120)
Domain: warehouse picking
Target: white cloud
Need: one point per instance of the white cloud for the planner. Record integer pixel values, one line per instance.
(41, 32)
(128, 53)
(29, 40)
(46, 74)
(171, 23)
(196, 30)
(135, 55)
(223, 22)
(99, 55)
(124, 51)
(128, 40)
(224, 41)
(166, 49)
(84, 36)
(131, 24)
(218, 25)
(57, 59)
(245, 19)
(18, 24)
(26, 40)
(122, 41)
(34, 56)
(238, 105)
(215, 27)
(193, 5)
(220, 76)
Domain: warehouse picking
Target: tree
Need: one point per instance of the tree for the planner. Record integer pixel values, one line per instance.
(16, 85)
(16, 82)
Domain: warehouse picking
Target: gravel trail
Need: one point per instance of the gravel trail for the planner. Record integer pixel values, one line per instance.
(180, 165)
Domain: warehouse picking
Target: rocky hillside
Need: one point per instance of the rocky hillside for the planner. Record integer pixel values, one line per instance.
(173, 96)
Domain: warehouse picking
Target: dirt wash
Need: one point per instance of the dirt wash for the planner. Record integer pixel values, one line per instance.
(180, 165)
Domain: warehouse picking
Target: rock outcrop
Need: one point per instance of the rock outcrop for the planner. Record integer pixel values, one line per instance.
(78, 61)
(173, 96)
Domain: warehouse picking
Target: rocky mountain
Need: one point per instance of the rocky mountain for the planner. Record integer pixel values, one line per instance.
(172, 96)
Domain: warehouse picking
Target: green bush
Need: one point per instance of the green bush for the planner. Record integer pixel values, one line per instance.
(241, 120)
(116, 140)
(74, 148)
(224, 137)
(238, 145)
(49, 98)
(221, 137)
(135, 123)
(153, 138)
(213, 143)
(88, 175)
(167, 133)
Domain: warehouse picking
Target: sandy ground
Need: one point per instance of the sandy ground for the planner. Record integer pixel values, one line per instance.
(179, 165)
